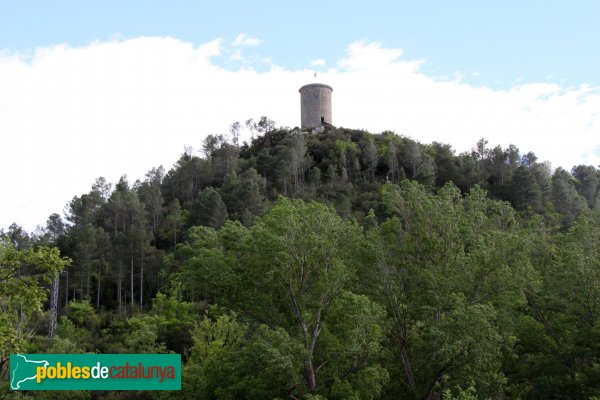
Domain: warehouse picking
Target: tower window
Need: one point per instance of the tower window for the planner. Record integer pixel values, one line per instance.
(322, 120)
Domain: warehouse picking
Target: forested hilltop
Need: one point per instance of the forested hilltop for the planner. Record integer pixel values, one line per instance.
(337, 264)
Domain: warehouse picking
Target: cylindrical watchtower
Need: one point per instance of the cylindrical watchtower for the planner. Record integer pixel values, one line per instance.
(315, 105)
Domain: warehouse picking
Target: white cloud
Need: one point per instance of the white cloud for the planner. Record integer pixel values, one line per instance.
(319, 62)
(363, 56)
(244, 40)
(69, 115)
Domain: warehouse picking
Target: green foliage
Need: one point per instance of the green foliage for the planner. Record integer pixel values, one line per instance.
(83, 314)
(466, 394)
(352, 345)
(21, 292)
(448, 263)
(230, 360)
(243, 195)
(207, 272)
(337, 265)
(144, 334)
(69, 336)
(559, 347)
(208, 209)
(48, 395)
(173, 320)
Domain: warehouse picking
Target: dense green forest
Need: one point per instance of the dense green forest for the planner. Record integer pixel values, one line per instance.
(336, 264)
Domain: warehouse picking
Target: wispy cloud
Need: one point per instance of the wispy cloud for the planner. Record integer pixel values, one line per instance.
(244, 40)
(69, 115)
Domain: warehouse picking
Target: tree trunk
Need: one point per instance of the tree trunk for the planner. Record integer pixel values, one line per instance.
(309, 341)
(131, 276)
(175, 241)
(153, 224)
(81, 284)
(67, 288)
(3, 374)
(87, 284)
(53, 307)
(310, 373)
(119, 297)
(98, 289)
(142, 279)
(410, 376)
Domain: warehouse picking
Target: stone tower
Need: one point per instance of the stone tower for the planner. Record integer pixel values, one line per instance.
(315, 105)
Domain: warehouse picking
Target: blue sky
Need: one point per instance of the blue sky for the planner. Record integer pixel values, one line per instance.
(496, 44)
(106, 88)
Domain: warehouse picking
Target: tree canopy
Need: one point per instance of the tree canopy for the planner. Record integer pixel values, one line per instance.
(331, 265)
